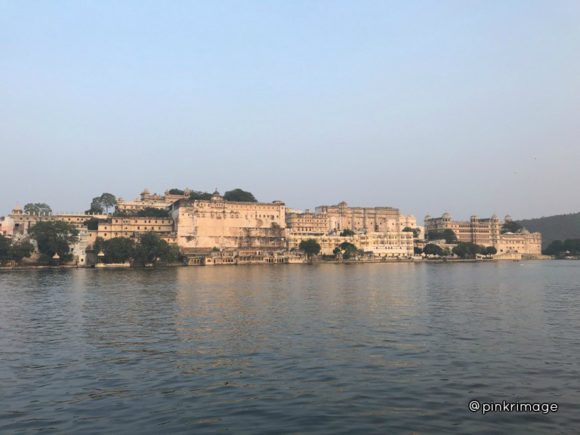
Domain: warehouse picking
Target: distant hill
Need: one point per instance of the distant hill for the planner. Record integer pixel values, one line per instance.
(559, 227)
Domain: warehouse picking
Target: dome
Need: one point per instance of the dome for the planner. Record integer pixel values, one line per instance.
(216, 196)
(508, 218)
(446, 216)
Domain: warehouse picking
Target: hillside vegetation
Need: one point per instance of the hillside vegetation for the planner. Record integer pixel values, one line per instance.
(559, 227)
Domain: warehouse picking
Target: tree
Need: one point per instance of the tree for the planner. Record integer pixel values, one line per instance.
(467, 250)
(310, 247)
(92, 224)
(20, 250)
(176, 191)
(108, 201)
(198, 195)
(347, 233)
(14, 251)
(37, 208)
(99, 245)
(490, 250)
(555, 248)
(102, 204)
(54, 238)
(348, 250)
(4, 248)
(417, 250)
(511, 227)
(118, 250)
(152, 249)
(433, 249)
(561, 249)
(239, 195)
(96, 206)
(415, 231)
(448, 235)
(153, 212)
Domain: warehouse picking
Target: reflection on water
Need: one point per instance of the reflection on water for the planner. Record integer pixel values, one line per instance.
(369, 348)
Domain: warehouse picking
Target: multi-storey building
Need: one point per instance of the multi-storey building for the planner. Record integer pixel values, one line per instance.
(487, 232)
(307, 223)
(150, 200)
(361, 219)
(387, 245)
(22, 222)
(524, 243)
(483, 232)
(134, 226)
(224, 225)
(377, 229)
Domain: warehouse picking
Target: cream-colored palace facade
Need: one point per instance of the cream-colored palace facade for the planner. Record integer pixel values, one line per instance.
(265, 230)
(216, 224)
(487, 232)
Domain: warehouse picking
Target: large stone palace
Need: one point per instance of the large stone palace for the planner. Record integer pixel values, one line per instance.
(231, 231)
(216, 224)
(488, 232)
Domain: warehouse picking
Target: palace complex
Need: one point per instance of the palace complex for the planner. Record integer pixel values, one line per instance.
(488, 232)
(217, 231)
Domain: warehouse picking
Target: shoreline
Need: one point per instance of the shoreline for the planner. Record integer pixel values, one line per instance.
(335, 262)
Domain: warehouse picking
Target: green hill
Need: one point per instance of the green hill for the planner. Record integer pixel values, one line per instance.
(559, 227)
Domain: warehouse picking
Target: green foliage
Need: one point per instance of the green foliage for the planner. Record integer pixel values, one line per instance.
(310, 247)
(102, 204)
(415, 231)
(239, 195)
(54, 237)
(14, 251)
(198, 195)
(559, 227)
(467, 250)
(146, 212)
(490, 250)
(20, 250)
(152, 249)
(118, 250)
(176, 191)
(560, 249)
(348, 250)
(347, 233)
(417, 250)
(153, 212)
(433, 249)
(4, 248)
(511, 227)
(99, 245)
(92, 224)
(37, 208)
(96, 207)
(448, 235)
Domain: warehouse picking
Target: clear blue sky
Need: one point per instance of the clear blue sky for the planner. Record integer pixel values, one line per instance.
(464, 106)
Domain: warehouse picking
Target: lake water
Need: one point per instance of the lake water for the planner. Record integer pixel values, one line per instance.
(375, 348)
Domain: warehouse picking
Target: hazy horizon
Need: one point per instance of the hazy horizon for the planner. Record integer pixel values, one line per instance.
(469, 108)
